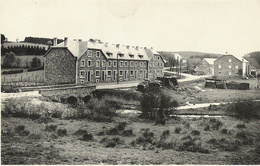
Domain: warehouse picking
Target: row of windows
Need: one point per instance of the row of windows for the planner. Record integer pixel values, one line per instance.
(158, 64)
(109, 73)
(89, 54)
(121, 63)
(229, 66)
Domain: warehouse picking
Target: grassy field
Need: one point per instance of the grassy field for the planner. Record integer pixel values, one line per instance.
(181, 141)
(23, 77)
(25, 59)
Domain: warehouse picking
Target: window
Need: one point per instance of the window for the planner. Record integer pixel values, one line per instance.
(89, 53)
(151, 65)
(121, 63)
(103, 63)
(114, 64)
(97, 63)
(82, 81)
(144, 63)
(109, 73)
(131, 55)
(121, 55)
(229, 60)
(126, 63)
(229, 73)
(140, 56)
(82, 63)
(109, 63)
(229, 66)
(97, 73)
(236, 66)
(158, 58)
(219, 66)
(219, 72)
(98, 54)
(82, 74)
(158, 64)
(131, 63)
(131, 72)
(89, 63)
(141, 71)
(161, 64)
(136, 64)
(120, 72)
(141, 64)
(154, 64)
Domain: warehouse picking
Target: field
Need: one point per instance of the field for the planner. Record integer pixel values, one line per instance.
(130, 139)
(25, 60)
(24, 77)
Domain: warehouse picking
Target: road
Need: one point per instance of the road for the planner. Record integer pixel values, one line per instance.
(113, 85)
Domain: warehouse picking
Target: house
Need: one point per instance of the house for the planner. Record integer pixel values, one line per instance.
(229, 66)
(81, 62)
(254, 66)
(205, 66)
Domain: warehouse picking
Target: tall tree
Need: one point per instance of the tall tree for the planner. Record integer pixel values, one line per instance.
(10, 60)
(2, 38)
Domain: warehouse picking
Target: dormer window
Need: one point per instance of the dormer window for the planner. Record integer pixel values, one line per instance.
(121, 55)
(109, 54)
(141, 56)
(131, 55)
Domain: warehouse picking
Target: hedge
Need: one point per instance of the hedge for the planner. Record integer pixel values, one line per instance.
(12, 71)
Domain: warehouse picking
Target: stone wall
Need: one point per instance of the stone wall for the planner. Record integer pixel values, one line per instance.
(77, 91)
(59, 67)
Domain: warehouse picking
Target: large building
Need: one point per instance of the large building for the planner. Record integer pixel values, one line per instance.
(81, 62)
(228, 66)
(205, 66)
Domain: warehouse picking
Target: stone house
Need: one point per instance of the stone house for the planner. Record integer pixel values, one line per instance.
(229, 66)
(156, 64)
(95, 61)
(205, 66)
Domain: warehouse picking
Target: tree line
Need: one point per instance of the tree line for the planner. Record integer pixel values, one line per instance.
(23, 50)
(38, 40)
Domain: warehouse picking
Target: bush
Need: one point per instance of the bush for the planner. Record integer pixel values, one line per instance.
(244, 109)
(177, 130)
(12, 71)
(195, 132)
(104, 109)
(128, 133)
(156, 105)
(241, 125)
(113, 142)
(147, 137)
(51, 128)
(87, 137)
(224, 131)
(19, 128)
(215, 124)
(35, 68)
(62, 132)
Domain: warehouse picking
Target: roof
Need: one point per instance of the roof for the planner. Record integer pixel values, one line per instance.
(238, 58)
(210, 60)
(111, 51)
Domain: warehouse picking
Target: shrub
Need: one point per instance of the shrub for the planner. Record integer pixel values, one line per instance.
(113, 142)
(241, 125)
(224, 131)
(19, 128)
(61, 132)
(147, 137)
(207, 128)
(51, 128)
(157, 105)
(35, 68)
(195, 132)
(35, 136)
(244, 109)
(177, 130)
(215, 124)
(128, 133)
(87, 137)
(104, 109)
(72, 100)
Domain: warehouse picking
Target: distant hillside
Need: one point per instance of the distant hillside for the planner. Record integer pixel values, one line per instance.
(190, 54)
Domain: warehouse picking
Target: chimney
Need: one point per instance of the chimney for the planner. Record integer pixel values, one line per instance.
(243, 68)
(136, 47)
(117, 45)
(127, 46)
(65, 41)
(55, 41)
(74, 39)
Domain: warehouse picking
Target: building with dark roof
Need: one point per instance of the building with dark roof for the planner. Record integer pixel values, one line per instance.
(81, 62)
(205, 66)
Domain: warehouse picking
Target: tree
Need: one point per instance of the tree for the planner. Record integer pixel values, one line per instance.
(2, 38)
(36, 62)
(157, 105)
(10, 60)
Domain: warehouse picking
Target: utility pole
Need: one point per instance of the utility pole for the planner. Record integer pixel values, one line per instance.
(117, 70)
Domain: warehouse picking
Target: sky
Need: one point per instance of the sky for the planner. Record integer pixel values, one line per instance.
(213, 26)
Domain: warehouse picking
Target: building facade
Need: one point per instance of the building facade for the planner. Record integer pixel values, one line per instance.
(102, 62)
(228, 66)
(205, 67)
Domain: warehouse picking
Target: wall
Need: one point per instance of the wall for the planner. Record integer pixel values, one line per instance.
(156, 66)
(59, 67)
(77, 91)
(225, 71)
